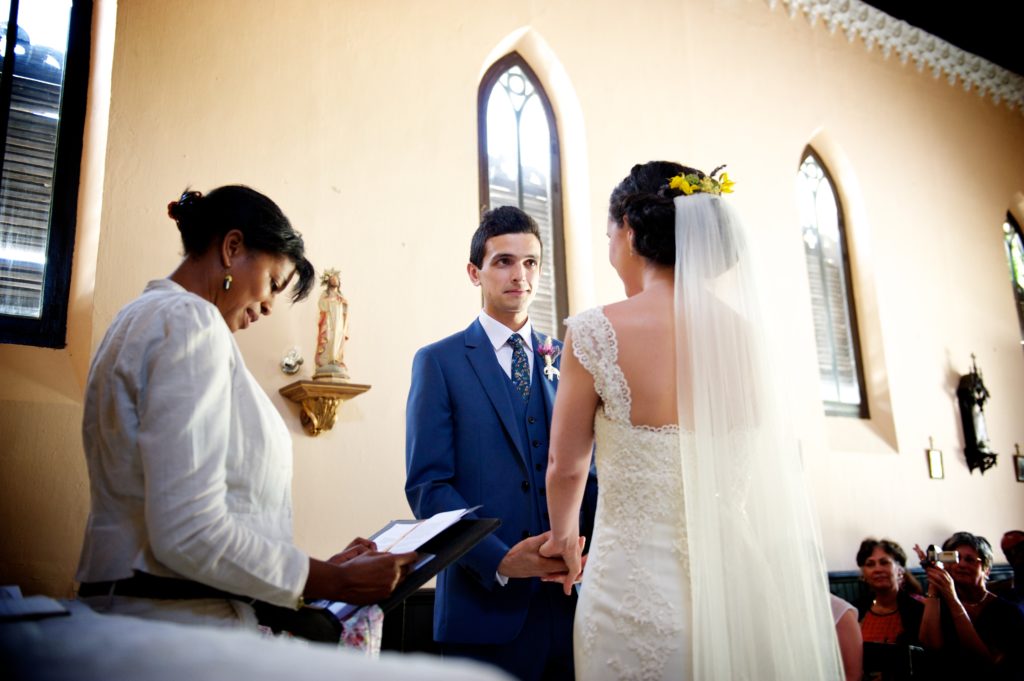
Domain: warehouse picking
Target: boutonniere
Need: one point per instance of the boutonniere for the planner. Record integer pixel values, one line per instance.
(550, 353)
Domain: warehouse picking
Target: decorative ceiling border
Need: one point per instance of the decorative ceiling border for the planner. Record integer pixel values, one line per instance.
(894, 35)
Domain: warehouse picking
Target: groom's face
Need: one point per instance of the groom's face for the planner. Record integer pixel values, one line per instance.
(511, 266)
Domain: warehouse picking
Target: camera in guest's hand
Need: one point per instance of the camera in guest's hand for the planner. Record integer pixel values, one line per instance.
(935, 555)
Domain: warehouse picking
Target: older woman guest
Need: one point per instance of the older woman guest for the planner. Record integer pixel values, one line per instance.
(894, 614)
(976, 633)
(189, 462)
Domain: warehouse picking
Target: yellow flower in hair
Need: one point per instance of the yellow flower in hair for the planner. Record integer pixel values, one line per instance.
(679, 182)
(726, 184)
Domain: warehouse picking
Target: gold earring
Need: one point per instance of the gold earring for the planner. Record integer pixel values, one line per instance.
(227, 282)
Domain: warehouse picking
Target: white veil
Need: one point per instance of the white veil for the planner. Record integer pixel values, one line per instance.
(759, 587)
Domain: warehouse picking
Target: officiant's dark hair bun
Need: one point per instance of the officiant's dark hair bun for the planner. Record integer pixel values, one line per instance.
(203, 220)
(645, 200)
(503, 220)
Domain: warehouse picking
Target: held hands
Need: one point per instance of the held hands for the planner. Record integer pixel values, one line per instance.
(524, 560)
(571, 552)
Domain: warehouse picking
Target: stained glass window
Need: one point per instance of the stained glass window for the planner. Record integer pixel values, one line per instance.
(1015, 258)
(832, 304)
(520, 166)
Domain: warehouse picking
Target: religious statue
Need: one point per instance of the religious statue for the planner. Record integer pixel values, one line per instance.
(332, 329)
(972, 394)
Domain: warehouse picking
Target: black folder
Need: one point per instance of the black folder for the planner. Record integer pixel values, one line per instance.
(447, 547)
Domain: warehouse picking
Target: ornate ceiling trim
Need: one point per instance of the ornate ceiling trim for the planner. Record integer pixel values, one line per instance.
(875, 27)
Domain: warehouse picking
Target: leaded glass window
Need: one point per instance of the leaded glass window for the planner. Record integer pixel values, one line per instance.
(520, 166)
(1015, 258)
(43, 78)
(832, 304)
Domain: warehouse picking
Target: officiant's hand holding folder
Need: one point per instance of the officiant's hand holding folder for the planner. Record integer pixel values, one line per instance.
(439, 540)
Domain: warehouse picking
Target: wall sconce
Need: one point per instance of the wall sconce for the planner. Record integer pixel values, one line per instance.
(935, 469)
(319, 400)
(972, 394)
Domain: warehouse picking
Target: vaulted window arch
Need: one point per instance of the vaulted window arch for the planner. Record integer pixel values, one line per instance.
(1013, 238)
(826, 254)
(519, 165)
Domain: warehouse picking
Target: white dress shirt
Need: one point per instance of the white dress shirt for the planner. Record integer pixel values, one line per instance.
(190, 464)
(498, 334)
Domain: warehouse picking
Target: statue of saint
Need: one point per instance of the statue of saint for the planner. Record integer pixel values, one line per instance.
(332, 329)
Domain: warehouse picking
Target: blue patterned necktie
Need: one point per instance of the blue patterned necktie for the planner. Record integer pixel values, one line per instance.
(520, 367)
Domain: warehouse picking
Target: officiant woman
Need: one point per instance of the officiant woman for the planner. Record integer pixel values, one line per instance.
(190, 464)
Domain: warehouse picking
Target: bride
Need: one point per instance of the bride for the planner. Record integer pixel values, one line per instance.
(704, 562)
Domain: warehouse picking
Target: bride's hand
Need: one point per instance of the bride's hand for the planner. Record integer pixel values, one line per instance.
(571, 551)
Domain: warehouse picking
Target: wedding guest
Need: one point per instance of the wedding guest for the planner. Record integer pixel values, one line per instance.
(894, 613)
(974, 632)
(190, 464)
(851, 644)
(1012, 588)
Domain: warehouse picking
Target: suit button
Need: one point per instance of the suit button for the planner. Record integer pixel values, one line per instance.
(526, 534)
(536, 443)
(542, 491)
(531, 420)
(538, 467)
(525, 486)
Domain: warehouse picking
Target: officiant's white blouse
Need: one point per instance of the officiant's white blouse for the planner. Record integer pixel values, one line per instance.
(190, 464)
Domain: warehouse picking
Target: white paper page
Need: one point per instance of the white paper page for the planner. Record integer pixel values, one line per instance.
(402, 538)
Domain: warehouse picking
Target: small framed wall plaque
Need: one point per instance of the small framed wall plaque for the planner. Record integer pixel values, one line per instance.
(935, 470)
(1018, 463)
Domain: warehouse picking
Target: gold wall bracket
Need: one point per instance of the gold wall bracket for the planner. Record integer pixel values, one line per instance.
(319, 400)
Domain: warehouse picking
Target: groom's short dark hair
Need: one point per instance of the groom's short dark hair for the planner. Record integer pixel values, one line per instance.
(503, 220)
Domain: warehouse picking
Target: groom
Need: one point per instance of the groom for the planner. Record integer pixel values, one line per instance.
(477, 425)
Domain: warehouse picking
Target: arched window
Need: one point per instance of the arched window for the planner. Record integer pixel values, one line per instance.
(520, 166)
(832, 304)
(1015, 256)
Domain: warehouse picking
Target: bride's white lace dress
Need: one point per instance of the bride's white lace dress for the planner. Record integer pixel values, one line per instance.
(633, 610)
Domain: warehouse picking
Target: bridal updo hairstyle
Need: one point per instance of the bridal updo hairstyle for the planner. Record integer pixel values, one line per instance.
(645, 199)
(203, 220)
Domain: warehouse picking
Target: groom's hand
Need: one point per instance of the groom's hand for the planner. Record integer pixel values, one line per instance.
(524, 560)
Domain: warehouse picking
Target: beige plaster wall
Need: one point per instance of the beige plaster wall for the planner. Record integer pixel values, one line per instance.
(359, 119)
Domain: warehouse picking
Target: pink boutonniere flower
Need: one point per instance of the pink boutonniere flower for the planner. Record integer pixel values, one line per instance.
(550, 353)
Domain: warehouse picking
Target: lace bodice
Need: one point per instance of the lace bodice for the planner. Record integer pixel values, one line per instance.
(638, 570)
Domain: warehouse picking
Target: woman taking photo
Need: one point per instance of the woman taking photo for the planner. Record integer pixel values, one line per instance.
(190, 464)
(975, 633)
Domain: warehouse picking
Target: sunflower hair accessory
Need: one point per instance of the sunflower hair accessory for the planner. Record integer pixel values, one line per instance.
(699, 183)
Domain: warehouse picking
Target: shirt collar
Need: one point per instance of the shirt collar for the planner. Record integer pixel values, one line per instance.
(498, 333)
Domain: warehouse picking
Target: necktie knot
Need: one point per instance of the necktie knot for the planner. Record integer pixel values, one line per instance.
(520, 366)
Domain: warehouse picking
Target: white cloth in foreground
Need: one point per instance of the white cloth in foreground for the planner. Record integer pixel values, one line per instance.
(91, 647)
(190, 464)
(632, 618)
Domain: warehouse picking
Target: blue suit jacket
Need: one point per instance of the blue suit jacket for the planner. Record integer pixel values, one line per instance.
(463, 448)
